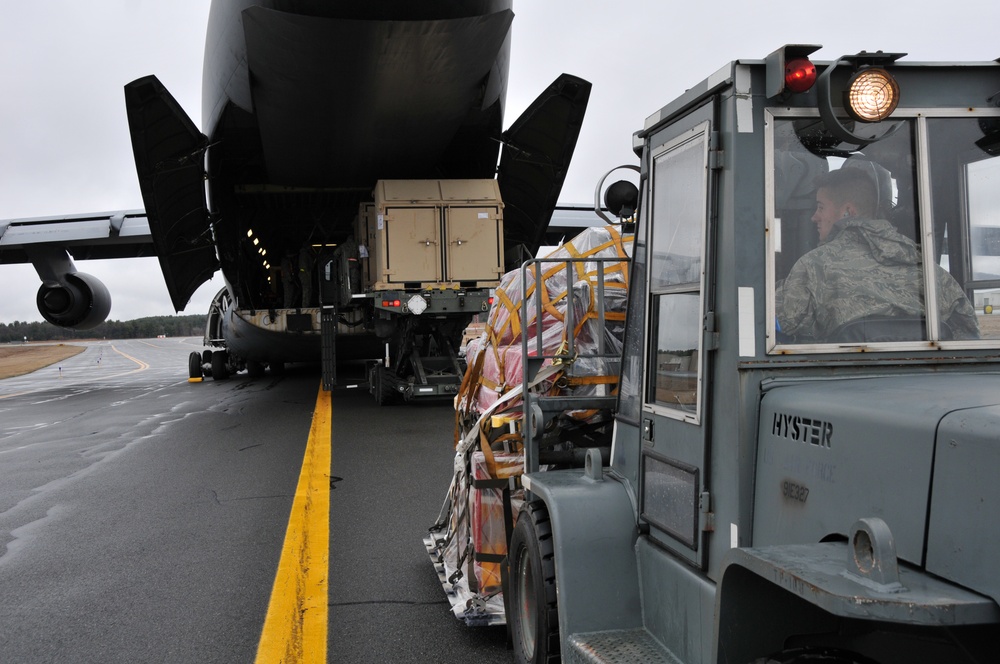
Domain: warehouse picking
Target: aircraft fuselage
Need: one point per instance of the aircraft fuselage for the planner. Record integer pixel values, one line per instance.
(306, 104)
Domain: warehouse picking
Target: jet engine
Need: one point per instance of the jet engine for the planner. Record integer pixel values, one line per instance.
(78, 301)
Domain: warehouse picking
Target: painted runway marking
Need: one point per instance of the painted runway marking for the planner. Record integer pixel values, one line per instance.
(142, 365)
(18, 394)
(295, 628)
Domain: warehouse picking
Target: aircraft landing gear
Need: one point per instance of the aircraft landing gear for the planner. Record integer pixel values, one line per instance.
(194, 365)
(220, 365)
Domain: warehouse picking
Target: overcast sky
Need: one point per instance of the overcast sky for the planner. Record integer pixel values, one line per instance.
(64, 143)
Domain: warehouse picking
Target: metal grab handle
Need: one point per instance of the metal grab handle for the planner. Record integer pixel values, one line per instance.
(426, 243)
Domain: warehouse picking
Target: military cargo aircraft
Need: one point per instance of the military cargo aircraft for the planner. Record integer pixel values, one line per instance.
(306, 104)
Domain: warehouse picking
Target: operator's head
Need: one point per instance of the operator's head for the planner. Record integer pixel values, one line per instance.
(847, 192)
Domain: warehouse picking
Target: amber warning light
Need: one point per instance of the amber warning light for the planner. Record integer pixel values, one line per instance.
(872, 95)
(800, 74)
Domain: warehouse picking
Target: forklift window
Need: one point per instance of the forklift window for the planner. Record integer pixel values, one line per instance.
(966, 204)
(630, 393)
(849, 264)
(679, 193)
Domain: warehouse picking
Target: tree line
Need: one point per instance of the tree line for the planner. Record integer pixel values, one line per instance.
(140, 328)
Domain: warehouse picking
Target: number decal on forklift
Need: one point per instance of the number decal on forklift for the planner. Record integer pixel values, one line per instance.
(794, 491)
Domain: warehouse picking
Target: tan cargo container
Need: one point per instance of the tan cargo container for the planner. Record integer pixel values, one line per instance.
(422, 233)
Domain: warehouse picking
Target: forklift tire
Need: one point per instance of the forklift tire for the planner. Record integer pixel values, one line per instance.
(219, 369)
(194, 365)
(531, 596)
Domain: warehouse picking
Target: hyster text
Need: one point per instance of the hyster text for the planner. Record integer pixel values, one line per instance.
(803, 429)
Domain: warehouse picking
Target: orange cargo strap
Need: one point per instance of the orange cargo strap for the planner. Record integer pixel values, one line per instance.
(513, 319)
(487, 448)
(591, 380)
(470, 378)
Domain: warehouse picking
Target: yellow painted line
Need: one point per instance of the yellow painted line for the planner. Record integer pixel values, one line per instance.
(142, 365)
(17, 394)
(296, 622)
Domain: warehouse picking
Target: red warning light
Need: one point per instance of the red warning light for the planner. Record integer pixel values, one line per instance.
(800, 74)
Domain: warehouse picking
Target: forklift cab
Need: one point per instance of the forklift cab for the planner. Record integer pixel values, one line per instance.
(936, 182)
(750, 453)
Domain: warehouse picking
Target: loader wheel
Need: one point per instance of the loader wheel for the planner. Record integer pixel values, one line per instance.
(815, 656)
(219, 369)
(194, 365)
(531, 595)
(379, 386)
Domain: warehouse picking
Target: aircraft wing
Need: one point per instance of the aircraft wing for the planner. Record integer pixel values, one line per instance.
(67, 297)
(536, 154)
(123, 234)
(568, 220)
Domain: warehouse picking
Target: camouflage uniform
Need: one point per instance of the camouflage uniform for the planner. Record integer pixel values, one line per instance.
(865, 268)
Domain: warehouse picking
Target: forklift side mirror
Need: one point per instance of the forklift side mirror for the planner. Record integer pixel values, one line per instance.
(620, 198)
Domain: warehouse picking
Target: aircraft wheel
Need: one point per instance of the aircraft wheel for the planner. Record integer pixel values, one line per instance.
(530, 597)
(194, 365)
(219, 369)
(206, 357)
(255, 369)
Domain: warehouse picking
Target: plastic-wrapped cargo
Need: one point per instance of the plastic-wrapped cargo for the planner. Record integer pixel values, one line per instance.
(499, 369)
(469, 540)
(468, 548)
(489, 542)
